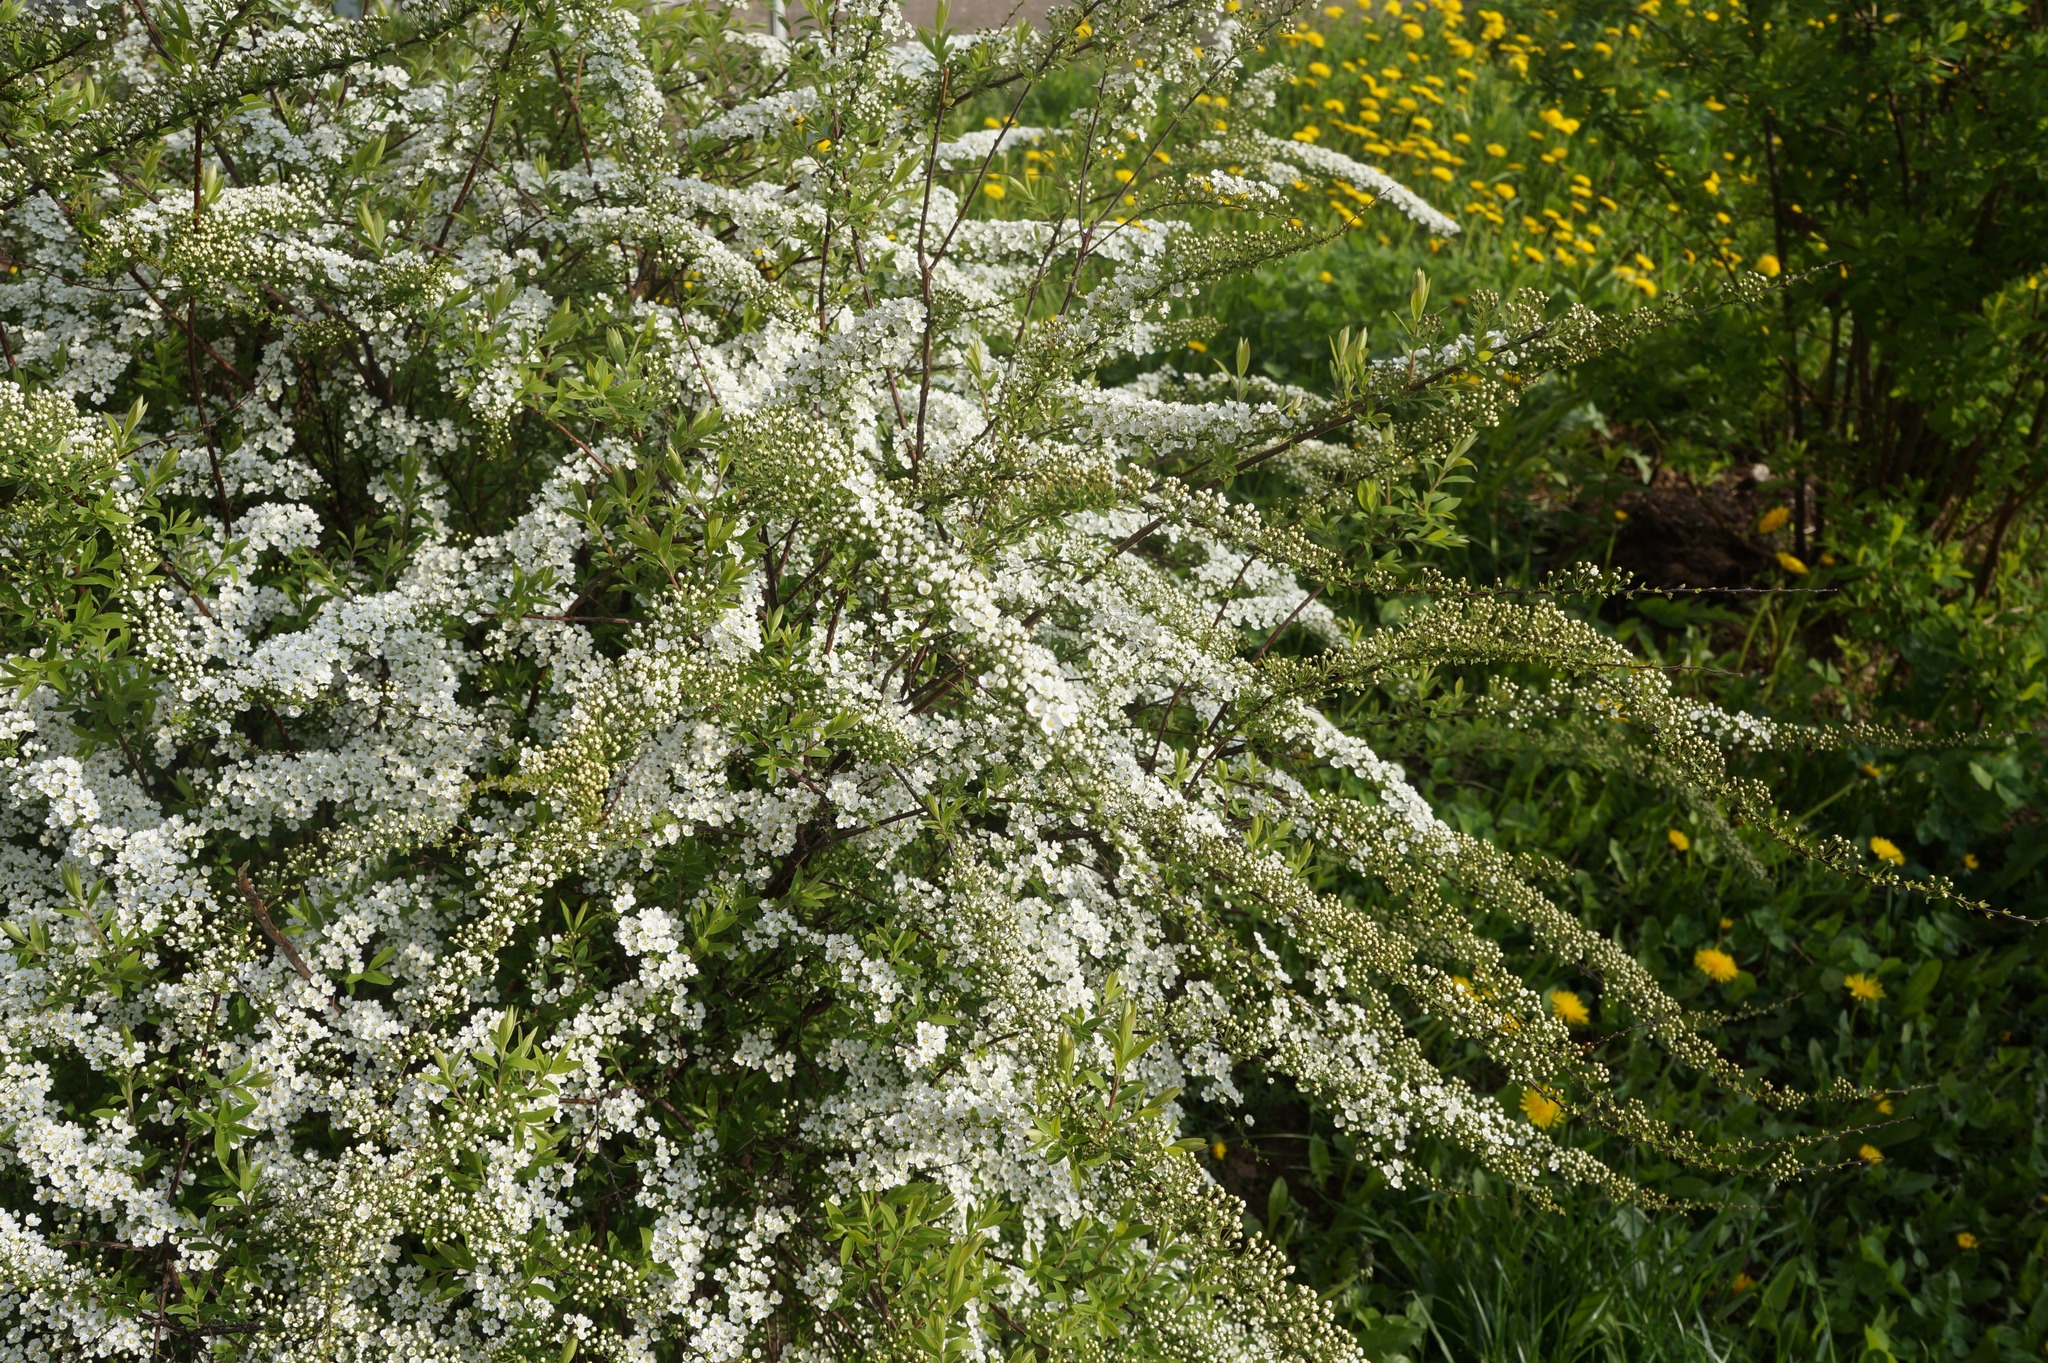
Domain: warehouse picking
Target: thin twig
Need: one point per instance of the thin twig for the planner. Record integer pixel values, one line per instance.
(484, 142)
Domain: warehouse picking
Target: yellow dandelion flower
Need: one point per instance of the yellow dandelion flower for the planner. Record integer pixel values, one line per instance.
(1716, 964)
(1219, 1150)
(1742, 1283)
(1319, 69)
(1198, 347)
(1678, 840)
(1870, 1154)
(994, 190)
(1083, 29)
(1863, 988)
(1496, 149)
(824, 144)
(1727, 923)
(1768, 266)
(1887, 851)
(1970, 862)
(1325, 277)
(1569, 1007)
(1870, 769)
(1791, 564)
(1773, 520)
(1544, 1112)
(1965, 1240)
(1884, 1105)
(1619, 515)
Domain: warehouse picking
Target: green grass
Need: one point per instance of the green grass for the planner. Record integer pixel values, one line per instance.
(1939, 1251)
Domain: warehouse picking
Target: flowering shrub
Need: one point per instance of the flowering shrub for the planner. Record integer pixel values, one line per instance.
(614, 748)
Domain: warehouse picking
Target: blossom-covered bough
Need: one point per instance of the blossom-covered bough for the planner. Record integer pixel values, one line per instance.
(620, 745)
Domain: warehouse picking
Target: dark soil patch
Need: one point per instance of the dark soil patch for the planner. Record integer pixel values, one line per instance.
(1681, 535)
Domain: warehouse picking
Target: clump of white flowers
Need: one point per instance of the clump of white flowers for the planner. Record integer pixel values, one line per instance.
(616, 745)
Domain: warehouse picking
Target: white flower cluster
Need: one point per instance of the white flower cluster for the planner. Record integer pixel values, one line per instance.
(612, 747)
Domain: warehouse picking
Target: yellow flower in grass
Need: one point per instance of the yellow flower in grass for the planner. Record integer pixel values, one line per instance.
(1870, 769)
(1768, 266)
(1791, 564)
(1716, 964)
(1570, 1007)
(1773, 520)
(1965, 1240)
(1887, 851)
(1870, 1154)
(994, 189)
(1741, 1284)
(1863, 988)
(1544, 1112)
(1970, 862)
(1219, 1150)
(1678, 840)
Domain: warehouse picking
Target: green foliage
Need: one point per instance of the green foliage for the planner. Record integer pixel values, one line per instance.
(1910, 512)
(1893, 164)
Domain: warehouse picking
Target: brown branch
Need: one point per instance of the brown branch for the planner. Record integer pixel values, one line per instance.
(270, 929)
(484, 142)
